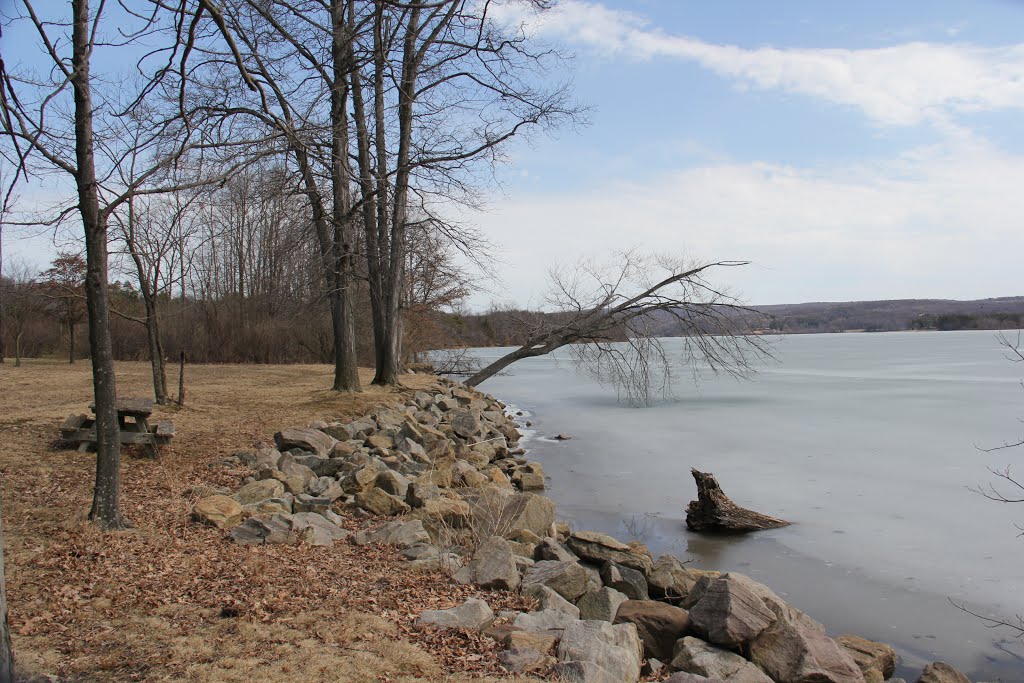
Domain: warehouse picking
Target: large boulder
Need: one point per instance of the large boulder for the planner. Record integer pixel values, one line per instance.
(582, 672)
(877, 661)
(272, 530)
(314, 529)
(568, 579)
(729, 613)
(601, 604)
(524, 660)
(592, 546)
(258, 491)
(465, 424)
(493, 566)
(548, 622)
(378, 502)
(940, 672)
(660, 625)
(397, 533)
(694, 656)
(671, 580)
(549, 599)
(312, 440)
(793, 652)
(626, 580)
(472, 615)
(616, 649)
(219, 511)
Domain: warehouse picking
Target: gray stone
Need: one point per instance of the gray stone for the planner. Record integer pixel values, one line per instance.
(275, 529)
(582, 672)
(940, 672)
(796, 653)
(325, 487)
(877, 661)
(683, 677)
(307, 503)
(522, 660)
(392, 482)
(493, 566)
(592, 546)
(616, 649)
(258, 491)
(659, 624)
(378, 502)
(601, 604)
(625, 580)
(290, 468)
(397, 533)
(694, 656)
(420, 492)
(219, 511)
(465, 423)
(729, 613)
(568, 579)
(549, 599)
(314, 529)
(421, 551)
(547, 621)
(472, 615)
(671, 580)
(312, 440)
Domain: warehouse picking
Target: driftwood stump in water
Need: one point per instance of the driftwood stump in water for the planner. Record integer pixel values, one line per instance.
(713, 511)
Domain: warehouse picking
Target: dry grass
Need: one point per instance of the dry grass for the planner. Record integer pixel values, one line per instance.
(172, 601)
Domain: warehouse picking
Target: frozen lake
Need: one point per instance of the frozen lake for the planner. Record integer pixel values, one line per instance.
(867, 442)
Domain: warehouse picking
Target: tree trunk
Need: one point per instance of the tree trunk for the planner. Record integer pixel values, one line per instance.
(500, 364)
(714, 511)
(71, 341)
(6, 655)
(156, 352)
(106, 511)
(17, 350)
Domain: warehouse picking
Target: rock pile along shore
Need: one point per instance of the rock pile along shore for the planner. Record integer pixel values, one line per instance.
(446, 468)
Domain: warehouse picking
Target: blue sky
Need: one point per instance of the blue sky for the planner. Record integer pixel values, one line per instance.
(864, 150)
(850, 150)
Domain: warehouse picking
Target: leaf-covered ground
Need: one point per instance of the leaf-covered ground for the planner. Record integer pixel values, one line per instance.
(170, 600)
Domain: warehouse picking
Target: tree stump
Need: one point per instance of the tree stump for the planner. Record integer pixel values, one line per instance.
(714, 511)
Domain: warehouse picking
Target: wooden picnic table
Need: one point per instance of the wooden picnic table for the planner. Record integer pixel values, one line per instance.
(132, 417)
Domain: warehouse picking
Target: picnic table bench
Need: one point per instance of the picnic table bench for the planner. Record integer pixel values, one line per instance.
(132, 417)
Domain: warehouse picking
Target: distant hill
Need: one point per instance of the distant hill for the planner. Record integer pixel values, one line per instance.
(896, 314)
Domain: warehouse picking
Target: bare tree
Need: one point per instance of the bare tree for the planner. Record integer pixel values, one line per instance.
(21, 301)
(611, 318)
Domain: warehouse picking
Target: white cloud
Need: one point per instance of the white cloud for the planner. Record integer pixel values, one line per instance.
(900, 85)
(939, 222)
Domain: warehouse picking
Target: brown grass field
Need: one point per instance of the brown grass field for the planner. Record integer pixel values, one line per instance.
(170, 600)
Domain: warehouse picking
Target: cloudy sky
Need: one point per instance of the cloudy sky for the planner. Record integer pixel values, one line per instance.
(867, 150)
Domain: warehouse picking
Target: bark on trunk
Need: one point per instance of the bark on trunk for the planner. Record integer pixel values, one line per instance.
(6, 654)
(17, 350)
(714, 511)
(106, 510)
(156, 352)
(71, 342)
(500, 364)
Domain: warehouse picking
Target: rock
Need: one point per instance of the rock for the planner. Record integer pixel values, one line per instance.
(694, 656)
(541, 642)
(276, 529)
(602, 604)
(258, 491)
(314, 529)
(312, 440)
(659, 625)
(549, 599)
(493, 566)
(591, 546)
(291, 468)
(528, 481)
(416, 553)
(800, 653)
(418, 493)
(219, 511)
(378, 502)
(714, 511)
(380, 441)
(562, 437)
(876, 661)
(307, 503)
(671, 580)
(325, 487)
(616, 649)
(472, 615)
(568, 579)
(454, 513)
(392, 482)
(397, 533)
(625, 580)
(550, 549)
(338, 431)
(940, 672)
(548, 622)
(465, 424)
(521, 660)
(581, 672)
(261, 457)
(729, 613)
(284, 504)
(531, 512)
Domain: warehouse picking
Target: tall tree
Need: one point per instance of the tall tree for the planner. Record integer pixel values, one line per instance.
(6, 654)
(64, 285)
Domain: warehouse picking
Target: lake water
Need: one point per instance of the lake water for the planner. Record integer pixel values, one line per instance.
(866, 442)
